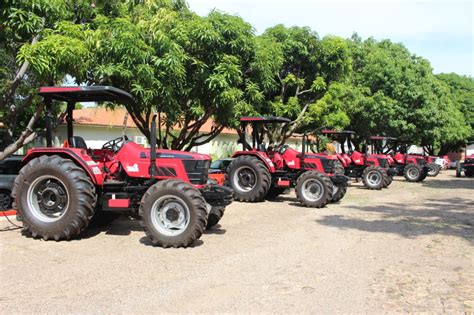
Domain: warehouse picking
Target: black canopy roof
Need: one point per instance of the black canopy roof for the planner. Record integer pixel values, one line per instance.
(382, 138)
(86, 94)
(265, 119)
(335, 132)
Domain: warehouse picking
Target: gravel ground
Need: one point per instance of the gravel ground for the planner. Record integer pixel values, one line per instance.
(408, 248)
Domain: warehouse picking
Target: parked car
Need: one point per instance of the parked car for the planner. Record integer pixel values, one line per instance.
(9, 169)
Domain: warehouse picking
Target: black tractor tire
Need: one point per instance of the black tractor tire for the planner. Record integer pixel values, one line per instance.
(215, 215)
(320, 182)
(374, 177)
(274, 192)
(5, 200)
(62, 184)
(458, 169)
(469, 172)
(413, 173)
(424, 174)
(180, 197)
(255, 171)
(388, 181)
(338, 192)
(433, 169)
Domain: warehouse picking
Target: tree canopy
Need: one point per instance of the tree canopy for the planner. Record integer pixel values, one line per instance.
(191, 69)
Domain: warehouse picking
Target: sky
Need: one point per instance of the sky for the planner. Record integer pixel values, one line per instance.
(442, 31)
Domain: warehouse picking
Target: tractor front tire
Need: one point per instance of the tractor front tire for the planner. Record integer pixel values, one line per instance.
(215, 215)
(54, 197)
(338, 192)
(388, 181)
(173, 214)
(433, 169)
(249, 178)
(469, 172)
(314, 189)
(5, 200)
(374, 177)
(413, 173)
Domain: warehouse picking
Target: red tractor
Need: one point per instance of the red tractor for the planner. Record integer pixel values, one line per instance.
(412, 167)
(59, 190)
(372, 169)
(467, 166)
(259, 171)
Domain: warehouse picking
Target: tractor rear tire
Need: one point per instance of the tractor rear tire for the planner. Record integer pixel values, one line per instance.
(338, 192)
(173, 214)
(469, 172)
(374, 177)
(388, 181)
(274, 192)
(433, 169)
(249, 178)
(413, 173)
(54, 197)
(314, 189)
(216, 214)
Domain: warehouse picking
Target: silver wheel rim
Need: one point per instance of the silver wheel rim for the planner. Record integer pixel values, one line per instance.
(413, 173)
(431, 170)
(374, 178)
(244, 179)
(170, 215)
(48, 198)
(312, 190)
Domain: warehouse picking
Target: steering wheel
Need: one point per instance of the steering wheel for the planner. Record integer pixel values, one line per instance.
(115, 144)
(283, 148)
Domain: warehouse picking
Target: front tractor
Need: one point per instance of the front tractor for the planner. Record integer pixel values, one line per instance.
(59, 190)
(372, 169)
(260, 171)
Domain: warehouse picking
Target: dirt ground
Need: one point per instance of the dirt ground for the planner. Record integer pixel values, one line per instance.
(406, 248)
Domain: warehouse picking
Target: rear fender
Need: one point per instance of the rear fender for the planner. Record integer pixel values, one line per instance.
(78, 156)
(260, 155)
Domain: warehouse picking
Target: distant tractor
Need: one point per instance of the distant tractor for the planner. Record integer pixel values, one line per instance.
(467, 167)
(372, 169)
(260, 171)
(59, 190)
(412, 167)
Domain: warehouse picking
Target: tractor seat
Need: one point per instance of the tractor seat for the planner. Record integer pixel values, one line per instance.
(78, 143)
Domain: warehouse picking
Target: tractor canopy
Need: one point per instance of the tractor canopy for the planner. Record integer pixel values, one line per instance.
(265, 120)
(74, 94)
(336, 132)
(382, 138)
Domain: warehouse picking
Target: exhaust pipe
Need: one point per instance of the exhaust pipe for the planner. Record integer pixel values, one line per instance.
(152, 169)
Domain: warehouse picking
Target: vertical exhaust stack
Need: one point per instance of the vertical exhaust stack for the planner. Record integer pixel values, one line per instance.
(152, 169)
(303, 149)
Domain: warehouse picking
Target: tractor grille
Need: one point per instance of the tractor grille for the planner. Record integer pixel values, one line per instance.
(420, 161)
(197, 171)
(383, 162)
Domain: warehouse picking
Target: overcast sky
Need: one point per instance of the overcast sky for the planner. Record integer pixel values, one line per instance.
(441, 31)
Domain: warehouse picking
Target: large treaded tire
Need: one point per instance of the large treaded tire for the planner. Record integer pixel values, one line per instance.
(388, 181)
(434, 169)
(413, 173)
(326, 185)
(338, 193)
(263, 179)
(5, 200)
(197, 213)
(81, 196)
(374, 177)
(469, 172)
(274, 192)
(215, 215)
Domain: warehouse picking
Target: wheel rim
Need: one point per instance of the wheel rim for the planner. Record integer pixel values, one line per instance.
(244, 179)
(312, 190)
(335, 190)
(48, 198)
(431, 170)
(413, 173)
(5, 201)
(170, 215)
(374, 178)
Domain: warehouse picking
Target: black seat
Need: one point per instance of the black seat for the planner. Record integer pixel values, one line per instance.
(78, 143)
